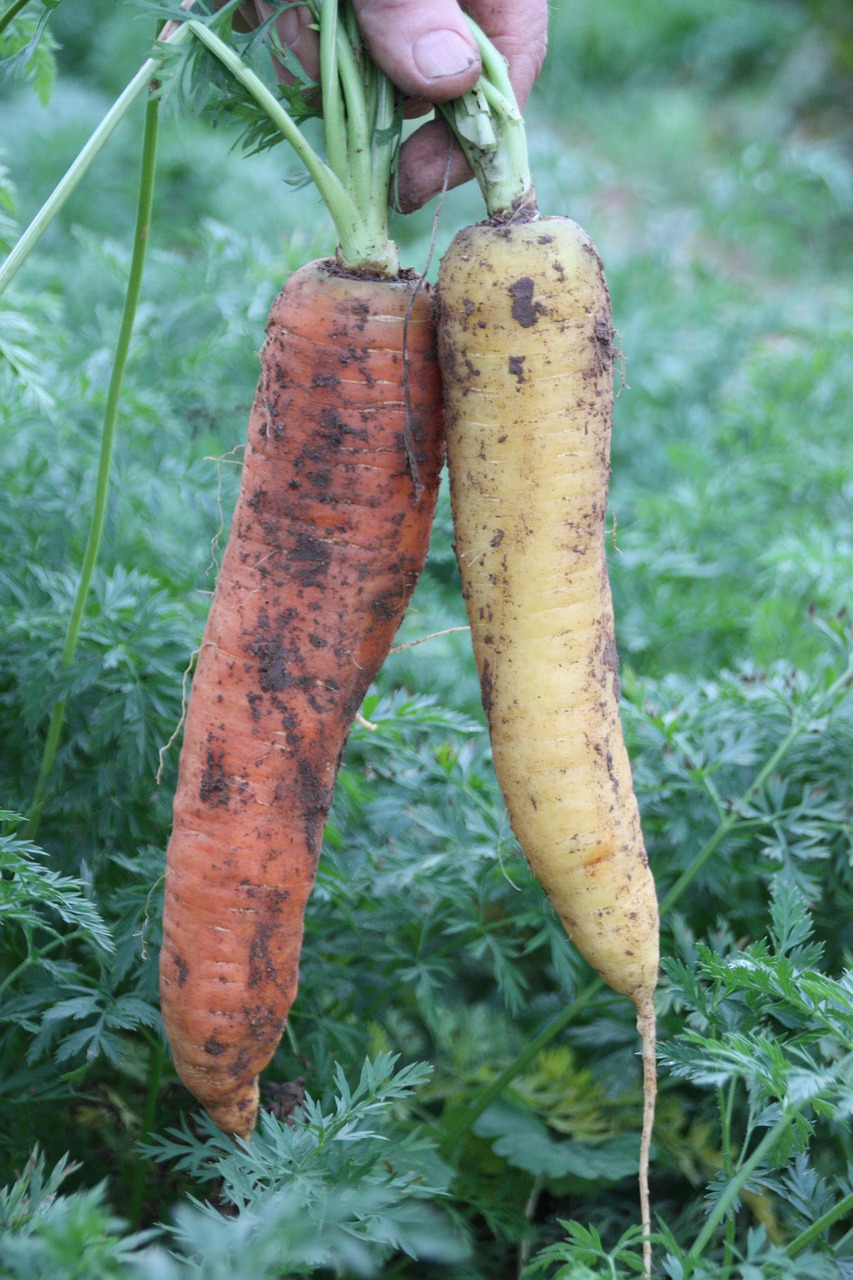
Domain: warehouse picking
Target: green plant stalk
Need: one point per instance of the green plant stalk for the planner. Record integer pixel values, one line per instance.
(361, 245)
(11, 14)
(84, 160)
(383, 145)
(363, 113)
(369, 99)
(726, 1112)
(99, 509)
(731, 819)
(360, 127)
(734, 1188)
(726, 1105)
(490, 130)
(584, 997)
(333, 108)
(362, 109)
(493, 1091)
(140, 1171)
(744, 1173)
(364, 241)
(35, 956)
(821, 1224)
(728, 1250)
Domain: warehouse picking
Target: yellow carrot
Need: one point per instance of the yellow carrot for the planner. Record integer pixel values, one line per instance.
(526, 351)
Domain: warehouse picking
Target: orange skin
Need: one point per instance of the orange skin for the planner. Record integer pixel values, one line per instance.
(328, 537)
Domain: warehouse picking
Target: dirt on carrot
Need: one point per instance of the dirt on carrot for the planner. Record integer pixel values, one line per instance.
(328, 537)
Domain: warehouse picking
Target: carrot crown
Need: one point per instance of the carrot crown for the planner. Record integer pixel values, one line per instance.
(489, 127)
(361, 126)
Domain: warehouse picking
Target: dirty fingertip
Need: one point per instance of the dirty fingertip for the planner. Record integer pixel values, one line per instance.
(423, 169)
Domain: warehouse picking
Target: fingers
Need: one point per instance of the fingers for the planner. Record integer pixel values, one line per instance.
(426, 49)
(294, 29)
(423, 166)
(519, 29)
(244, 18)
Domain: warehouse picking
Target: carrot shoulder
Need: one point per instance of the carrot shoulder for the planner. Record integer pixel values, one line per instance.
(329, 534)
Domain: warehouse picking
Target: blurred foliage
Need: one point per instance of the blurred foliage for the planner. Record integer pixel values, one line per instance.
(708, 152)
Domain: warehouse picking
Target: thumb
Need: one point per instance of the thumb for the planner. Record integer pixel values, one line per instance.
(426, 49)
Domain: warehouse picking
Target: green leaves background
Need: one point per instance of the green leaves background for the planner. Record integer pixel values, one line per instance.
(709, 154)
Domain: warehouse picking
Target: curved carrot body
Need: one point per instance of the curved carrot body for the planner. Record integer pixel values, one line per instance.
(525, 348)
(328, 537)
(525, 344)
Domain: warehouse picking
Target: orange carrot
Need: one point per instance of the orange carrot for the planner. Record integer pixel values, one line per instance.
(329, 534)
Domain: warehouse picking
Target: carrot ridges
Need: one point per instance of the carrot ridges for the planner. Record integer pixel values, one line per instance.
(529, 465)
(328, 538)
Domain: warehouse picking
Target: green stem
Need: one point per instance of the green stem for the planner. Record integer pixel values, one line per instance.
(360, 247)
(36, 956)
(734, 1188)
(726, 1113)
(730, 820)
(527, 1055)
(334, 120)
(99, 510)
(745, 1172)
(84, 161)
(359, 128)
(726, 1105)
(490, 130)
(821, 1224)
(11, 14)
(728, 1250)
(734, 816)
(587, 993)
(140, 1172)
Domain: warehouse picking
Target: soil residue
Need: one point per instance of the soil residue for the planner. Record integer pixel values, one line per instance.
(309, 560)
(262, 967)
(516, 368)
(214, 785)
(486, 688)
(181, 969)
(524, 309)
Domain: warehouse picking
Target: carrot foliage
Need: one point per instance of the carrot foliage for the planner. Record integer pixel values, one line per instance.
(731, 562)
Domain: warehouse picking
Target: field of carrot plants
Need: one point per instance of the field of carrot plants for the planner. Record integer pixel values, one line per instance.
(456, 1094)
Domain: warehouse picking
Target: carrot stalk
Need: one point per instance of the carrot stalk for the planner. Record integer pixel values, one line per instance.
(11, 13)
(172, 34)
(490, 130)
(102, 482)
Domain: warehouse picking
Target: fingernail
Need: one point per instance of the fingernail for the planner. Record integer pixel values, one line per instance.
(437, 54)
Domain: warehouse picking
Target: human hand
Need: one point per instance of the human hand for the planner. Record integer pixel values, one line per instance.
(426, 48)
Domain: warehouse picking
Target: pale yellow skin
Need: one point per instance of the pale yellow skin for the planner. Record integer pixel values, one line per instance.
(526, 352)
